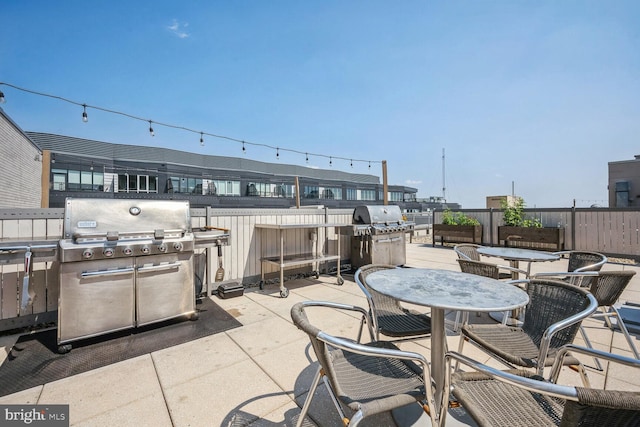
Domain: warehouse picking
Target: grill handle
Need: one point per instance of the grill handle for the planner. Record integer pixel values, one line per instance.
(159, 267)
(102, 273)
(388, 240)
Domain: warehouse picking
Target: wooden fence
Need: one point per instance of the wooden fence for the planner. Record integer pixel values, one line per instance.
(612, 231)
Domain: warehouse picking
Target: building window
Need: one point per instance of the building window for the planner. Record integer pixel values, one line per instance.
(332, 193)
(132, 183)
(396, 196)
(75, 180)
(367, 194)
(311, 192)
(352, 194)
(227, 188)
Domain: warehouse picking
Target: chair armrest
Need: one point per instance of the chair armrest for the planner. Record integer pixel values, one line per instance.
(575, 277)
(347, 307)
(512, 269)
(592, 352)
(552, 329)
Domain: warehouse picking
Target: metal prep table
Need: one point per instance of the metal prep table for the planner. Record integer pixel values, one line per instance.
(284, 260)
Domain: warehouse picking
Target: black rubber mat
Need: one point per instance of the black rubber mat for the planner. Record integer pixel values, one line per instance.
(34, 360)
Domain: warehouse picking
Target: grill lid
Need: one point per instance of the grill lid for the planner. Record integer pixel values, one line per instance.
(113, 219)
(376, 214)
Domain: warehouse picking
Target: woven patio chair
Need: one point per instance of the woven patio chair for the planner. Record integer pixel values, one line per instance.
(469, 251)
(579, 261)
(481, 269)
(551, 319)
(607, 288)
(520, 398)
(363, 380)
(388, 316)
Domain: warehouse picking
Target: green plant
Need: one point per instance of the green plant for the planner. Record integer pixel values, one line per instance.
(513, 215)
(457, 218)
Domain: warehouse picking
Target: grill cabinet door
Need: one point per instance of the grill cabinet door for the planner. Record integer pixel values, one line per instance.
(164, 287)
(96, 297)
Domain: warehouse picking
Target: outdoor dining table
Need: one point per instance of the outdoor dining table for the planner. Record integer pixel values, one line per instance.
(442, 290)
(515, 255)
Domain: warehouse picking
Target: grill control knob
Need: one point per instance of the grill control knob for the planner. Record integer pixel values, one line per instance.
(87, 254)
(127, 251)
(162, 248)
(145, 250)
(177, 246)
(108, 252)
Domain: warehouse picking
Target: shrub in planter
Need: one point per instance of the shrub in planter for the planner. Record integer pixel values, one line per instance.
(513, 215)
(457, 227)
(527, 232)
(457, 218)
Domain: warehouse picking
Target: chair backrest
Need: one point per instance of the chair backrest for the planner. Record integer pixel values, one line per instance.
(585, 261)
(377, 301)
(467, 251)
(609, 285)
(300, 319)
(479, 268)
(551, 301)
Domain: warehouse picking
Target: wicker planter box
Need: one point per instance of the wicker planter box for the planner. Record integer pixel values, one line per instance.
(457, 233)
(532, 237)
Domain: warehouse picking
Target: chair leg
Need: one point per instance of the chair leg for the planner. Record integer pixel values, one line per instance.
(307, 401)
(624, 330)
(587, 341)
(361, 328)
(460, 345)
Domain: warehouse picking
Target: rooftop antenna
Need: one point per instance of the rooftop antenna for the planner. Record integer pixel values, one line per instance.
(444, 197)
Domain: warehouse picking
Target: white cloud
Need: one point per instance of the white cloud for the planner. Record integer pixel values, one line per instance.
(412, 182)
(178, 28)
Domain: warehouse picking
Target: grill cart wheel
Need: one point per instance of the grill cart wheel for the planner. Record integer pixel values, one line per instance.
(194, 316)
(317, 274)
(284, 293)
(64, 349)
(340, 281)
(261, 285)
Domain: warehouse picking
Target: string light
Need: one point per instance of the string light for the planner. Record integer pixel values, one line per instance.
(85, 118)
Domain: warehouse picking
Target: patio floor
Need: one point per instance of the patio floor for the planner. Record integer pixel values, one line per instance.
(258, 374)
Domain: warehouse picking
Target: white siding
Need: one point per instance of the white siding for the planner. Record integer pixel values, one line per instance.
(21, 168)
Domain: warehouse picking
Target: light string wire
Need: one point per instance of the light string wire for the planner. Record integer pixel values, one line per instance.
(201, 133)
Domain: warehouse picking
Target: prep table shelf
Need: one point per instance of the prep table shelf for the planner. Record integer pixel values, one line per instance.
(287, 260)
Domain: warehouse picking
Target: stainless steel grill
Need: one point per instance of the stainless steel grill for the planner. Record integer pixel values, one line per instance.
(123, 264)
(378, 236)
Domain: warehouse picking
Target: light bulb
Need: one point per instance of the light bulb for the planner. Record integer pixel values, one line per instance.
(330, 161)
(278, 153)
(151, 129)
(2, 100)
(85, 118)
(201, 139)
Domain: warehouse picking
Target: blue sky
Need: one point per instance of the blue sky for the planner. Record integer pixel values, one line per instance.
(538, 94)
